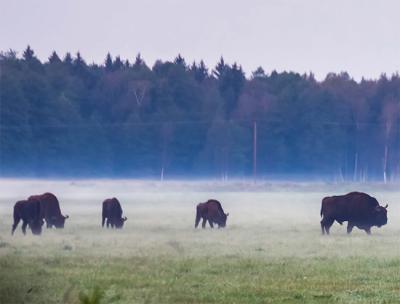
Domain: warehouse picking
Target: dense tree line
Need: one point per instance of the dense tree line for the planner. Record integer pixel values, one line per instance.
(64, 117)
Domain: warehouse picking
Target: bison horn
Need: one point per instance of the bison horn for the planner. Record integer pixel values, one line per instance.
(67, 216)
(227, 214)
(386, 206)
(125, 218)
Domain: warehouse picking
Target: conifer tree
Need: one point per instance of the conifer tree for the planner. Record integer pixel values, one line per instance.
(54, 59)
(108, 63)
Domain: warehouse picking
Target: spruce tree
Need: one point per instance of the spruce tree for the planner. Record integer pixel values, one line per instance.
(54, 59)
(108, 63)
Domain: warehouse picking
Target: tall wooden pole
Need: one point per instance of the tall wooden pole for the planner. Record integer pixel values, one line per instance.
(255, 151)
(385, 161)
(355, 167)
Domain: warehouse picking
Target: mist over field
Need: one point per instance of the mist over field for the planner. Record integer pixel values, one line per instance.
(271, 251)
(67, 118)
(264, 106)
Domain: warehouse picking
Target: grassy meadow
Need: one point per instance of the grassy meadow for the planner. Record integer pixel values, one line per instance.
(271, 251)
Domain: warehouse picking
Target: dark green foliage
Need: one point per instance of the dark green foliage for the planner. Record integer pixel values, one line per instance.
(108, 63)
(68, 59)
(93, 297)
(54, 59)
(65, 117)
(200, 71)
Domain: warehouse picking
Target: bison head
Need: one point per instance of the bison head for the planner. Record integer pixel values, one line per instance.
(119, 223)
(380, 215)
(222, 219)
(36, 226)
(59, 221)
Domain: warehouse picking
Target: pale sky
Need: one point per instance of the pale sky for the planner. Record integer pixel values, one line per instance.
(358, 36)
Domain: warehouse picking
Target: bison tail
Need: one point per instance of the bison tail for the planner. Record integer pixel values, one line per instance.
(322, 206)
(198, 216)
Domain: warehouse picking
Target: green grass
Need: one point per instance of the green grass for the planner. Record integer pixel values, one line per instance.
(224, 279)
(271, 252)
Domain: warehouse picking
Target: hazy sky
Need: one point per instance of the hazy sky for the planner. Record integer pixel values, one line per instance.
(358, 36)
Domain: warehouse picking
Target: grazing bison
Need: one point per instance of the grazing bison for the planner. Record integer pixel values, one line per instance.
(112, 211)
(212, 212)
(50, 210)
(357, 208)
(29, 213)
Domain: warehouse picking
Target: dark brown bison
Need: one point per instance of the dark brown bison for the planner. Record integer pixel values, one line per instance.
(112, 211)
(50, 210)
(357, 208)
(212, 212)
(29, 213)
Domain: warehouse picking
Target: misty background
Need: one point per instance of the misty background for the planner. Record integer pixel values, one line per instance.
(63, 117)
(273, 89)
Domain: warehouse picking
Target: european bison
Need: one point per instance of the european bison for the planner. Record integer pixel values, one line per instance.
(357, 208)
(212, 212)
(29, 213)
(50, 210)
(112, 211)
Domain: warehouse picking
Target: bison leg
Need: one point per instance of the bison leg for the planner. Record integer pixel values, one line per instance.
(108, 223)
(197, 221)
(103, 219)
(203, 224)
(327, 223)
(16, 222)
(24, 224)
(349, 227)
(48, 224)
(211, 223)
(322, 228)
(368, 230)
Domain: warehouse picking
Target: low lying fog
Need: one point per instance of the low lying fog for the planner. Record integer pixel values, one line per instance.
(173, 203)
(266, 220)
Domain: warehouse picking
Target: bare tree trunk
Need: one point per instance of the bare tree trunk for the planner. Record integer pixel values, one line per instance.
(255, 151)
(355, 167)
(341, 176)
(364, 174)
(385, 161)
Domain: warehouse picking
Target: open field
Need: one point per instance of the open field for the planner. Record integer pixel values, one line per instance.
(271, 251)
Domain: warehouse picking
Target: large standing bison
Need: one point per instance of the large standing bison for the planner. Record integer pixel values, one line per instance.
(112, 211)
(357, 208)
(50, 209)
(212, 212)
(29, 213)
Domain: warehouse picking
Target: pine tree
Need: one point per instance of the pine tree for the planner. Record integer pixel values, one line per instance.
(79, 65)
(258, 73)
(10, 54)
(54, 59)
(179, 60)
(78, 61)
(117, 64)
(108, 63)
(28, 54)
(138, 61)
(200, 71)
(220, 69)
(68, 59)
